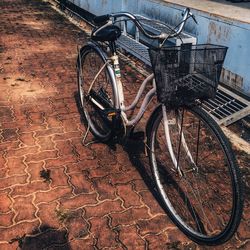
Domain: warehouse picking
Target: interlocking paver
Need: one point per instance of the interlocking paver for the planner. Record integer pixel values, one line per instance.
(103, 208)
(16, 166)
(47, 213)
(129, 216)
(54, 192)
(24, 208)
(129, 238)
(105, 236)
(5, 201)
(80, 183)
(130, 198)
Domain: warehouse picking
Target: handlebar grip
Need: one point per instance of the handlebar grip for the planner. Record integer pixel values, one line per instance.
(101, 19)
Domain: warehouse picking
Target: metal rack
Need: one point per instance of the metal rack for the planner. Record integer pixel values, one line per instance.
(227, 107)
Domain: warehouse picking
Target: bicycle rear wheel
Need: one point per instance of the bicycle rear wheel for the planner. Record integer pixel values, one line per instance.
(96, 91)
(196, 174)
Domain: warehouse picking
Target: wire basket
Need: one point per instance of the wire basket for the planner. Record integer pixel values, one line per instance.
(186, 73)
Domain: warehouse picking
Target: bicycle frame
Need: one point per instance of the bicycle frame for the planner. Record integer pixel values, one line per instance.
(119, 103)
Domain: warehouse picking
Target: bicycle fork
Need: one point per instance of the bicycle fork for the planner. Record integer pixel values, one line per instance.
(182, 141)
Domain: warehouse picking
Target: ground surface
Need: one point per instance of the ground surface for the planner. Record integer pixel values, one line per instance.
(55, 193)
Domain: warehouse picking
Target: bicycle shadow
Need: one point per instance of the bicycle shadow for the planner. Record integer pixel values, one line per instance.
(135, 148)
(136, 152)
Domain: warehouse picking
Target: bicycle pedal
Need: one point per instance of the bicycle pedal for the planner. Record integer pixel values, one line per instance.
(112, 113)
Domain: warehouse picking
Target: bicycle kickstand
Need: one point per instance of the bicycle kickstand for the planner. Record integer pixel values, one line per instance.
(85, 137)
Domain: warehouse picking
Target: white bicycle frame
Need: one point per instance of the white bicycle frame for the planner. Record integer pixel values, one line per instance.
(119, 104)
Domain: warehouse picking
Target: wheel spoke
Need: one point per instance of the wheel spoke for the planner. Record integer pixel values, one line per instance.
(201, 200)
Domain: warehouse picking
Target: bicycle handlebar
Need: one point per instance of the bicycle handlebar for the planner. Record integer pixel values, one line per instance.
(102, 20)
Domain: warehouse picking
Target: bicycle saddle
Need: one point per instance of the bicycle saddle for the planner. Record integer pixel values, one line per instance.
(109, 33)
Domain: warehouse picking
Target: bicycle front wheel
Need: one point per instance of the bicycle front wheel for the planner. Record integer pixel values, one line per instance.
(196, 174)
(96, 90)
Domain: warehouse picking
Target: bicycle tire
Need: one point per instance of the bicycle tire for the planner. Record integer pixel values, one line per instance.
(90, 60)
(211, 188)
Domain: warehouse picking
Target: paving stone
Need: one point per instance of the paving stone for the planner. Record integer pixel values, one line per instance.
(79, 167)
(53, 122)
(24, 208)
(104, 235)
(12, 181)
(49, 132)
(158, 241)
(27, 138)
(129, 216)
(80, 183)
(154, 225)
(16, 166)
(244, 230)
(53, 194)
(68, 135)
(60, 161)
(128, 195)
(77, 244)
(29, 188)
(103, 208)
(9, 134)
(139, 185)
(129, 238)
(175, 237)
(76, 225)
(104, 170)
(104, 188)
(34, 169)
(45, 143)
(43, 155)
(79, 201)
(5, 201)
(124, 177)
(64, 147)
(47, 213)
(8, 246)
(148, 199)
(83, 153)
(22, 151)
(58, 177)
(3, 172)
(10, 145)
(69, 125)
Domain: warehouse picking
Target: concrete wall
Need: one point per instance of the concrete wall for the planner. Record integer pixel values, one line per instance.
(210, 29)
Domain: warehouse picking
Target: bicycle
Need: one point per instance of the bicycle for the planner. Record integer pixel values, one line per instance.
(192, 161)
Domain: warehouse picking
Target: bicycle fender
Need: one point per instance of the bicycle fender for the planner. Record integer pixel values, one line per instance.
(152, 118)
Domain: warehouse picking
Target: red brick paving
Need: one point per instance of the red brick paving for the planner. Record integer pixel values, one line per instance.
(94, 197)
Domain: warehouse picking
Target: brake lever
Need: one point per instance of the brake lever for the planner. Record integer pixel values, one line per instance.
(193, 17)
(184, 11)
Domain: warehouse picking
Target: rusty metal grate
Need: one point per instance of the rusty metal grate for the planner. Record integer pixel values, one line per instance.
(227, 107)
(135, 48)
